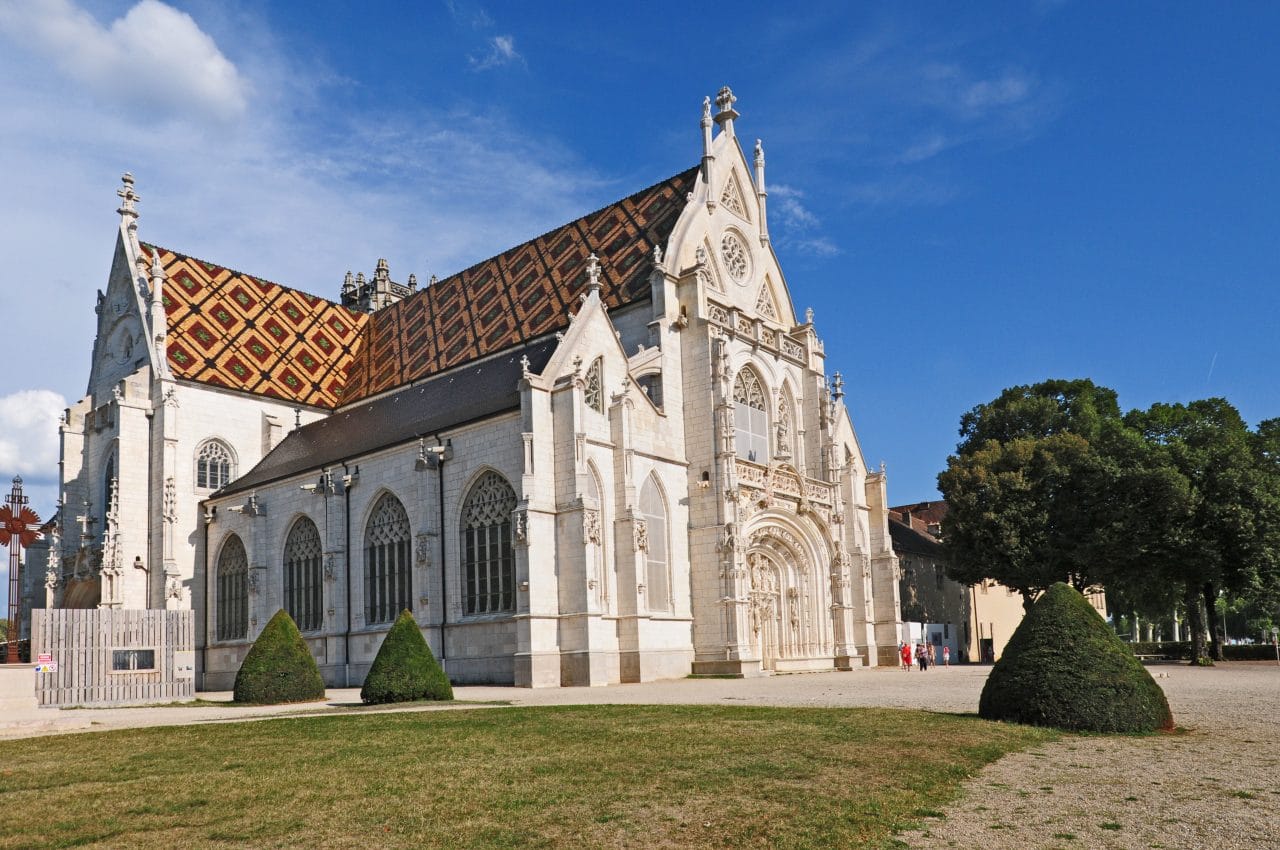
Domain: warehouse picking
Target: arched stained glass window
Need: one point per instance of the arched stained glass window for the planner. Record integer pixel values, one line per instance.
(654, 509)
(214, 465)
(387, 580)
(489, 564)
(750, 417)
(303, 587)
(233, 590)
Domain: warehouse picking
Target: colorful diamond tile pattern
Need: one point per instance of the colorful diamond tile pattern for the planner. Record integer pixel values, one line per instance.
(522, 293)
(232, 330)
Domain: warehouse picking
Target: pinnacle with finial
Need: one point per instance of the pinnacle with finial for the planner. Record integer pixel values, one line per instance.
(128, 197)
(593, 273)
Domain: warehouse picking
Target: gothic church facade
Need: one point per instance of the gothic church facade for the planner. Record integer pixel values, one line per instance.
(610, 454)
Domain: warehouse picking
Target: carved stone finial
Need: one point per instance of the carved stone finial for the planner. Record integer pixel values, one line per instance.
(727, 114)
(128, 197)
(593, 274)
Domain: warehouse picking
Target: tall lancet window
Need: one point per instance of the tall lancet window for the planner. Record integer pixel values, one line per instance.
(489, 563)
(595, 386)
(658, 578)
(233, 590)
(387, 585)
(213, 465)
(750, 417)
(303, 588)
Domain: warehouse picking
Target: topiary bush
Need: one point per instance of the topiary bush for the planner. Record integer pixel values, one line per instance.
(279, 667)
(1065, 667)
(405, 668)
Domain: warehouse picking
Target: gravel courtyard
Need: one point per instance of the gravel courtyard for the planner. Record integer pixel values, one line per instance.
(1214, 785)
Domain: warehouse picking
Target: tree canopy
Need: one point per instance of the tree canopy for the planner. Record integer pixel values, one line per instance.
(1174, 503)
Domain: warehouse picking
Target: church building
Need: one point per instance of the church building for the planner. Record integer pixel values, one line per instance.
(610, 454)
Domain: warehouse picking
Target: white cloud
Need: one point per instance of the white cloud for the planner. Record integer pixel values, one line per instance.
(798, 223)
(502, 51)
(29, 434)
(155, 57)
(297, 191)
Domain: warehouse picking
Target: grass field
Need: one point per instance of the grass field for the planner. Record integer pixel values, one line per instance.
(590, 776)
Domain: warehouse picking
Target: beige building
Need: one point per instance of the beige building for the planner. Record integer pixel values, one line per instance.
(976, 621)
(609, 454)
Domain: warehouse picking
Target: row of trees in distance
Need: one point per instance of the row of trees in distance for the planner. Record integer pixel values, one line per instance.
(1162, 507)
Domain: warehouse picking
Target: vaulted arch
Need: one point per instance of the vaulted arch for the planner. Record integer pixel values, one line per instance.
(751, 416)
(232, 590)
(488, 555)
(388, 585)
(653, 506)
(303, 581)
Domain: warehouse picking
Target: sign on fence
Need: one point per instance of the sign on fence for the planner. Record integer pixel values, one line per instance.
(113, 656)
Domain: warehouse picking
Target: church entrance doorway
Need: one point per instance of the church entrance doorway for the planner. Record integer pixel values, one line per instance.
(789, 620)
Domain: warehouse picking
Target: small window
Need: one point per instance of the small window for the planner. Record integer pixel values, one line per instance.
(214, 465)
(126, 660)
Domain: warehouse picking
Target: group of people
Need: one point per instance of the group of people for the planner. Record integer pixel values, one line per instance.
(923, 655)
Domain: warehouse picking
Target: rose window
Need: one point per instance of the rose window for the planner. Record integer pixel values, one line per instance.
(734, 255)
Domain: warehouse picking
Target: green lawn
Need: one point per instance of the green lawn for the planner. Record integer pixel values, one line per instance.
(591, 776)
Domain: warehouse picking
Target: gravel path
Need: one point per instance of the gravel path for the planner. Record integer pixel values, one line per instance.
(1217, 785)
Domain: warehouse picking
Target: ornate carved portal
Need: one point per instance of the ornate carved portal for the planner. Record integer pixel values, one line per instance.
(788, 604)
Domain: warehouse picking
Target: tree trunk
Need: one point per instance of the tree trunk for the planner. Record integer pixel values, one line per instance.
(1195, 625)
(1216, 637)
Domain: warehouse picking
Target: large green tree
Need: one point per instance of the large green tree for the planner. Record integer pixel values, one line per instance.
(1031, 489)
(1227, 535)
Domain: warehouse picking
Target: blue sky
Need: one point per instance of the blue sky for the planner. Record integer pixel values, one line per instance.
(969, 197)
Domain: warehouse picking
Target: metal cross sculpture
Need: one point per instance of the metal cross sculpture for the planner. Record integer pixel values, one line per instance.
(19, 528)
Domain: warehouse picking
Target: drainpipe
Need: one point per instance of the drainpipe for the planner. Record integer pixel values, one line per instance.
(442, 452)
(206, 515)
(347, 481)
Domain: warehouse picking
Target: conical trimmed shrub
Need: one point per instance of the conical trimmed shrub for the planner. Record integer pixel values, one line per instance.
(279, 667)
(405, 668)
(1064, 667)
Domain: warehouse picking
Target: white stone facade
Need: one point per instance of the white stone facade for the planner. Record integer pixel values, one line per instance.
(646, 544)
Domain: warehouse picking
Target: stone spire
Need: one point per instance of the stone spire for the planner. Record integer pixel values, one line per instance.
(761, 194)
(159, 321)
(707, 156)
(727, 114)
(128, 197)
(593, 276)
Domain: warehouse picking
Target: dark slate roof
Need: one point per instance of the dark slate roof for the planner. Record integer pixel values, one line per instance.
(471, 392)
(523, 293)
(907, 539)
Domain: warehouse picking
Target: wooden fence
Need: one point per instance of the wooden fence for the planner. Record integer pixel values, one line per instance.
(113, 656)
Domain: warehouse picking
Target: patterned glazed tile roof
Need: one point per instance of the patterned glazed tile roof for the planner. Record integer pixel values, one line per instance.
(233, 330)
(524, 292)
